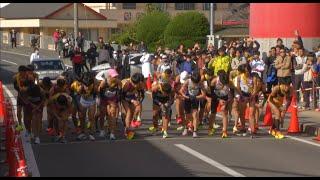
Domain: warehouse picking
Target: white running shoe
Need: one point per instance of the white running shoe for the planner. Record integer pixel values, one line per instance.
(194, 135)
(216, 126)
(37, 140)
(112, 136)
(185, 132)
(81, 136)
(91, 137)
(102, 133)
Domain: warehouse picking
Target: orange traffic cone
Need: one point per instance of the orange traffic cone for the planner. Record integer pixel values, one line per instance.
(149, 83)
(294, 122)
(293, 103)
(267, 121)
(247, 114)
(318, 137)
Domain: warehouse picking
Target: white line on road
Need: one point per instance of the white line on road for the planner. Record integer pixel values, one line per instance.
(209, 161)
(8, 62)
(302, 140)
(9, 52)
(31, 161)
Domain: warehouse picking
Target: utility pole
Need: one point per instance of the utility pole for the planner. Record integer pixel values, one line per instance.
(75, 22)
(211, 19)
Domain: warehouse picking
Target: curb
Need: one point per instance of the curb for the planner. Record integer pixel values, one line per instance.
(310, 128)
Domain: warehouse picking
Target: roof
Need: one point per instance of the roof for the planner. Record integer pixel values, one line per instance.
(233, 32)
(36, 10)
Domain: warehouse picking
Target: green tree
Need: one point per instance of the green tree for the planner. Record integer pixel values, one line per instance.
(186, 28)
(150, 29)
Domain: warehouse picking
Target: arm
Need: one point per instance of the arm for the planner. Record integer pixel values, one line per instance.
(277, 64)
(287, 63)
(183, 89)
(257, 45)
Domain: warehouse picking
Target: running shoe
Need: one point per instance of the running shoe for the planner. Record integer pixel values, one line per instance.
(37, 140)
(211, 132)
(180, 128)
(78, 123)
(88, 124)
(179, 120)
(224, 135)
(165, 135)
(130, 135)
(102, 133)
(216, 126)
(152, 129)
(48, 129)
(194, 134)
(63, 140)
(185, 132)
(52, 132)
(19, 128)
(133, 123)
(57, 138)
(272, 132)
(91, 137)
(160, 122)
(279, 135)
(234, 129)
(169, 124)
(81, 137)
(112, 136)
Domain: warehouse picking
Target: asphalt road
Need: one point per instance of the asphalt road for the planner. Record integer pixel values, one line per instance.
(149, 155)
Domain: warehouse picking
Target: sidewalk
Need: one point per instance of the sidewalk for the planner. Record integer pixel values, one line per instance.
(28, 50)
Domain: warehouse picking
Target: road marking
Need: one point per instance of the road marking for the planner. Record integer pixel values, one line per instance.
(31, 161)
(8, 62)
(209, 161)
(9, 52)
(302, 140)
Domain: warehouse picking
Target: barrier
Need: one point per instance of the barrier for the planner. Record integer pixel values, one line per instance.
(15, 157)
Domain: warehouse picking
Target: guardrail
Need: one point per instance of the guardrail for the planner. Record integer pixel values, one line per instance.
(15, 157)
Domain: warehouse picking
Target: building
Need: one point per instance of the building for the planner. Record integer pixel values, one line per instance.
(43, 18)
(226, 14)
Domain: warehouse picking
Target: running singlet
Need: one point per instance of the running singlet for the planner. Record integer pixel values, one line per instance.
(206, 85)
(131, 92)
(193, 89)
(246, 85)
(109, 92)
(159, 96)
(220, 90)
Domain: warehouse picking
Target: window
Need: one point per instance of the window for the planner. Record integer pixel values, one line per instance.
(160, 5)
(128, 5)
(206, 6)
(47, 65)
(184, 6)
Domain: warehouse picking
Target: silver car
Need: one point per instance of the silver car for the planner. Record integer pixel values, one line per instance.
(51, 68)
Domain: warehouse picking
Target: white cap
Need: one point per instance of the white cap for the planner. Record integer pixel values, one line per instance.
(183, 77)
(164, 56)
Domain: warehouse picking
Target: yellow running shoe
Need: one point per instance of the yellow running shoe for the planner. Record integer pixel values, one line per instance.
(19, 128)
(152, 129)
(165, 135)
(279, 135)
(224, 135)
(211, 132)
(78, 123)
(272, 132)
(88, 125)
(130, 135)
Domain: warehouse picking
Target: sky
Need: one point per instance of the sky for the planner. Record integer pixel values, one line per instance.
(3, 4)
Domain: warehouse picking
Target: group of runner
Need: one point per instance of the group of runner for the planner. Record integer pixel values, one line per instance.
(100, 103)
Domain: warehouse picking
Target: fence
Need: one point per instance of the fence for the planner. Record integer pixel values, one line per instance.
(45, 42)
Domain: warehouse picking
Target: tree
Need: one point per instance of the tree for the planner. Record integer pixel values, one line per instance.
(186, 28)
(150, 28)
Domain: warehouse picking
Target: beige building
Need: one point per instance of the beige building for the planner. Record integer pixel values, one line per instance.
(43, 18)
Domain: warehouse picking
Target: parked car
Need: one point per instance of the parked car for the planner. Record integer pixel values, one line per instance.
(51, 68)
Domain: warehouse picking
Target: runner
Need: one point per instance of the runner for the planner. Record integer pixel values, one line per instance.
(109, 92)
(163, 98)
(61, 106)
(192, 91)
(179, 100)
(221, 95)
(45, 86)
(278, 109)
(205, 105)
(130, 100)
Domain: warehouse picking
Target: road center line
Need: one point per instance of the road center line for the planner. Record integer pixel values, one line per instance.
(8, 62)
(209, 161)
(31, 161)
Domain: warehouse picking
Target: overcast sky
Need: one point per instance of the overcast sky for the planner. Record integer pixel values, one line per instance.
(3, 4)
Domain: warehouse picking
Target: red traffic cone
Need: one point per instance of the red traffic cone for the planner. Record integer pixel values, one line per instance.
(267, 121)
(294, 122)
(149, 83)
(318, 137)
(293, 103)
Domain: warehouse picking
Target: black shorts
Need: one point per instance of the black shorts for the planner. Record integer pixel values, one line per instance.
(190, 104)
(215, 102)
(285, 80)
(203, 103)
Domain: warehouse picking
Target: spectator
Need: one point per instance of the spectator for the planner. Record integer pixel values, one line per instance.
(221, 62)
(316, 76)
(271, 70)
(211, 49)
(60, 46)
(188, 65)
(201, 56)
(110, 49)
(104, 55)
(34, 55)
(55, 39)
(78, 61)
(80, 41)
(298, 64)
(100, 44)
(257, 65)
(280, 44)
(250, 46)
(65, 45)
(180, 48)
(91, 55)
(13, 38)
(232, 52)
(146, 65)
(142, 47)
(298, 40)
(317, 53)
(307, 81)
(125, 70)
(283, 66)
(236, 62)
